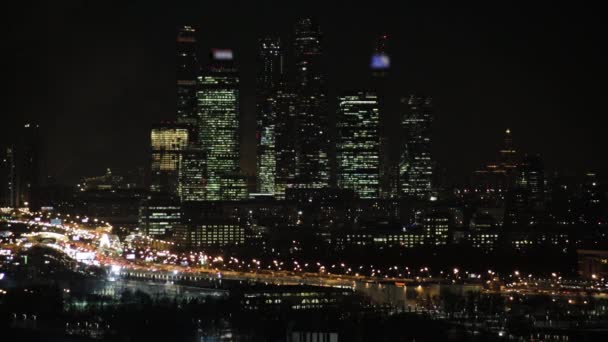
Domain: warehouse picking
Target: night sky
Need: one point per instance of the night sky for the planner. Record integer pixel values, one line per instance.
(97, 75)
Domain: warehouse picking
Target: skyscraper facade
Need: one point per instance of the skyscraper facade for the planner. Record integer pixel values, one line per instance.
(380, 65)
(498, 176)
(531, 179)
(415, 166)
(312, 146)
(8, 177)
(168, 142)
(358, 145)
(270, 74)
(28, 166)
(187, 71)
(285, 140)
(218, 120)
(192, 175)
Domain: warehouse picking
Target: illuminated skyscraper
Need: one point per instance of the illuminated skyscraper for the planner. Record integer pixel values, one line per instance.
(8, 177)
(168, 142)
(269, 76)
(218, 121)
(192, 175)
(416, 167)
(358, 145)
(380, 65)
(187, 71)
(498, 177)
(285, 144)
(312, 146)
(531, 179)
(28, 166)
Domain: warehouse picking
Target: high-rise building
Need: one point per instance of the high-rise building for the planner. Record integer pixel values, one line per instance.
(233, 186)
(380, 65)
(218, 120)
(415, 166)
(159, 216)
(358, 145)
(168, 142)
(269, 77)
(8, 177)
(192, 175)
(531, 178)
(28, 166)
(285, 140)
(498, 177)
(312, 139)
(187, 71)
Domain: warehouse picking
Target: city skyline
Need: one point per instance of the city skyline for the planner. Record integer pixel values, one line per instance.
(268, 171)
(455, 130)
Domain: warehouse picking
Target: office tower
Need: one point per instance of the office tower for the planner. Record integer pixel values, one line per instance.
(380, 65)
(525, 200)
(218, 120)
(187, 71)
(285, 143)
(8, 176)
(593, 206)
(415, 166)
(212, 232)
(28, 166)
(498, 176)
(269, 76)
(312, 140)
(531, 178)
(192, 175)
(358, 145)
(508, 154)
(233, 186)
(168, 141)
(159, 216)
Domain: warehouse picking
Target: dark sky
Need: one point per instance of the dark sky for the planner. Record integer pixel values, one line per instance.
(97, 75)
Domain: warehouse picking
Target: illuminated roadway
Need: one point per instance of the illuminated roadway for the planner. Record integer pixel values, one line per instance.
(92, 239)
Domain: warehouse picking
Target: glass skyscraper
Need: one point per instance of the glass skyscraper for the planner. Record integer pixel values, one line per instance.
(187, 71)
(416, 166)
(269, 76)
(285, 140)
(358, 145)
(312, 146)
(192, 175)
(8, 177)
(218, 121)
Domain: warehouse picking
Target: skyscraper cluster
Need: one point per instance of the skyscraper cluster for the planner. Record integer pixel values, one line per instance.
(293, 130)
(198, 159)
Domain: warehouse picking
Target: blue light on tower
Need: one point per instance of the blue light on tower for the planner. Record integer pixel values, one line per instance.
(380, 61)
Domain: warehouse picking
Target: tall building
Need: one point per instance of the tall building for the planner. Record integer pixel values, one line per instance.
(192, 175)
(269, 77)
(312, 139)
(380, 65)
(415, 166)
(498, 176)
(168, 142)
(531, 179)
(358, 145)
(8, 177)
(28, 166)
(187, 71)
(285, 140)
(218, 120)
(159, 216)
